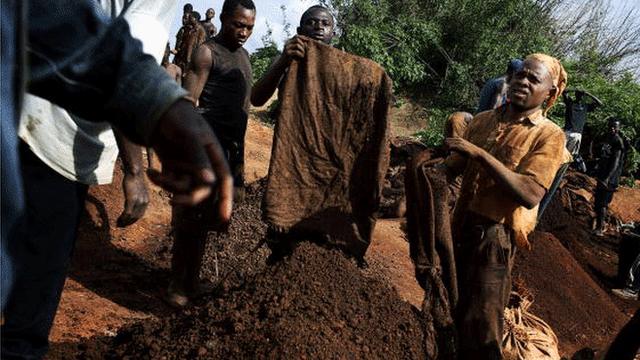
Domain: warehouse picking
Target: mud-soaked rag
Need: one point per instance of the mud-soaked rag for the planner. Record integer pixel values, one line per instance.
(330, 151)
(431, 249)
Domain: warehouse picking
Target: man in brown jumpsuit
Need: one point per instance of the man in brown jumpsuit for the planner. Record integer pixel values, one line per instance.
(220, 78)
(508, 157)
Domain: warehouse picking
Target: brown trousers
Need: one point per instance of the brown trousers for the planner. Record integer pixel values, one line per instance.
(484, 254)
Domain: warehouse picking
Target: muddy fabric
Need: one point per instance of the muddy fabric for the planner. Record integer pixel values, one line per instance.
(431, 250)
(330, 151)
(393, 202)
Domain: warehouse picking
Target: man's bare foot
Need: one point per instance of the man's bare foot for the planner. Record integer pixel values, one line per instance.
(178, 301)
(175, 297)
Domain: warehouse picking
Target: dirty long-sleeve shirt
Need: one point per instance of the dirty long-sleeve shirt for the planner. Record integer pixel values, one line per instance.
(534, 147)
(94, 68)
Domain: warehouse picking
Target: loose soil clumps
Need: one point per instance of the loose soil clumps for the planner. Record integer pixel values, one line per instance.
(314, 304)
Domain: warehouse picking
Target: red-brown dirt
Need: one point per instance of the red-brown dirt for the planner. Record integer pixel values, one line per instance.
(565, 296)
(314, 304)
(569, 218)
(118, 277)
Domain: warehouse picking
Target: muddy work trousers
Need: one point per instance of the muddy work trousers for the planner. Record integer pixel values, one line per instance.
(484, 256)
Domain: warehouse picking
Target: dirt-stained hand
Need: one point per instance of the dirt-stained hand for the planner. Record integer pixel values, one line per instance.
(464, 147)
(136, 199)
(193, 163)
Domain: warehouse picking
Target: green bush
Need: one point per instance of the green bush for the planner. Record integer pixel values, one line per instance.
(433, 135)
(262, 58)
(621, 99)
(440, 52)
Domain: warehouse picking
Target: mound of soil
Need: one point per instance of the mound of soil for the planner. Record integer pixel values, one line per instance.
(569, 218)
(314, 304)
(236, 255)
(565, 296)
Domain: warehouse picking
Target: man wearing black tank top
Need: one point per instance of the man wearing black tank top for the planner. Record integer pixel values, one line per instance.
(219, 80)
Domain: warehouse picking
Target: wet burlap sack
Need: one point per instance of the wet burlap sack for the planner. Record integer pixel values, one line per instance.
(526, 336)
(431, 250)
(330, 150)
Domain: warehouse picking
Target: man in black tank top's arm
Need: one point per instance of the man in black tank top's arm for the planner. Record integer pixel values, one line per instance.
(316, 23)
(219, 80)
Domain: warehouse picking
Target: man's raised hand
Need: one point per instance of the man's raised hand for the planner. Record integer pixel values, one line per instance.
(295, 48)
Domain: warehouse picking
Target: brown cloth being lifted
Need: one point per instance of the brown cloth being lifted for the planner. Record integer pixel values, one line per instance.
(431, 249)
(330, 151)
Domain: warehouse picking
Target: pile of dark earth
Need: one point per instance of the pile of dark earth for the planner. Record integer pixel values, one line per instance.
(231, 258)
(314, 304)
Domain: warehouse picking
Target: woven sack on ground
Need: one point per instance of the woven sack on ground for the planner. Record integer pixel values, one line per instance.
(526, 336)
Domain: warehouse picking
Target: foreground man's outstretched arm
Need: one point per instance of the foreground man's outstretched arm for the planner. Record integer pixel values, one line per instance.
(95, 69)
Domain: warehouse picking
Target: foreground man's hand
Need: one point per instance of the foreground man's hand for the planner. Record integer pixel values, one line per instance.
(193, 163)
(136, 199)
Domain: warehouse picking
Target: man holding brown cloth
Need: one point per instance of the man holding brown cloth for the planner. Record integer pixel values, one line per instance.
(508, 158)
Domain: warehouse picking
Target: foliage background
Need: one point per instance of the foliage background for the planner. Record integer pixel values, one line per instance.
(440, 52)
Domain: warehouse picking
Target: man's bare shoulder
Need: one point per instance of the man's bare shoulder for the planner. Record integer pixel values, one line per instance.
(203, 57)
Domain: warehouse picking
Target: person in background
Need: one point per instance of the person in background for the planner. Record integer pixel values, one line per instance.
(609, 169)
(575, 119)
(575, 116)
(192, 36)
(632, 287)
(494, 91)
(186, 10)
(209, 27)
(317, 24)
